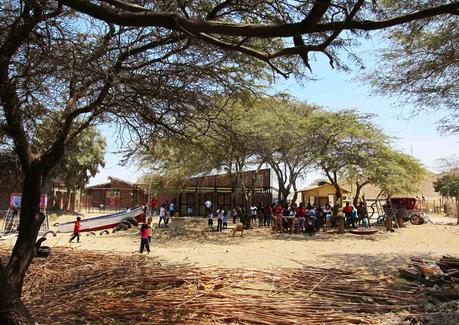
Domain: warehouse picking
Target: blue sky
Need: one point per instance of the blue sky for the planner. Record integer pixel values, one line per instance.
(338, 90)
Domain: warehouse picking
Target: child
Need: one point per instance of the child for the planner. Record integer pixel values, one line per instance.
(76, 231)
(234, 214)
(144, 241)
(162, 215)
(210, 221)
(150, 228)
(220, 219)
(225, 219)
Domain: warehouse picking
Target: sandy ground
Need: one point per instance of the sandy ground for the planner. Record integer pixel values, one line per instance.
(191, 241)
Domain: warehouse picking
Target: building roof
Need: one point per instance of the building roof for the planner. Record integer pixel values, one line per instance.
(111, 180)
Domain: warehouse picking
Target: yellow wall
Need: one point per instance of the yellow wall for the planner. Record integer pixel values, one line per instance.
(324, 191)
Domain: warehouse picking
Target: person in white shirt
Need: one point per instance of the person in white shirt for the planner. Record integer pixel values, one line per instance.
(208, 206)
(253, 213)
(162, 215)
(221, 212)
(210, 220)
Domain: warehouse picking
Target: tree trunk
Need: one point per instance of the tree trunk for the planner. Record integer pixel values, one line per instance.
(457, 210)
(69, 194)
(12, 311)
(295, 196)
(339, 202)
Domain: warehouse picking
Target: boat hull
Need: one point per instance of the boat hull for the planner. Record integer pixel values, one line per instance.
(103, 222)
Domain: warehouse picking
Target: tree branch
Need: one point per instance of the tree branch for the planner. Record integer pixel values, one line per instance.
(174, 22)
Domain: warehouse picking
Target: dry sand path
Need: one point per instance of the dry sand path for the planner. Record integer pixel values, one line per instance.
(192, 242)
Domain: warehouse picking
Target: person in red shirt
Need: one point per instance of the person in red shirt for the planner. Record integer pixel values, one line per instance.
(153, 205)
(347, 210)
(144, 241)
(269, 214)
(300, 213)
(76, 230)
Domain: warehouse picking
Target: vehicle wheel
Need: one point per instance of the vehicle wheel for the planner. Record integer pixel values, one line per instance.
(50, 232)
(132, 221)
(43, 251)
(416, 219)
(126, 224)
(382, 219)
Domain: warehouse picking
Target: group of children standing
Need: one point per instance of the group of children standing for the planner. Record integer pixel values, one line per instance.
(222, 219)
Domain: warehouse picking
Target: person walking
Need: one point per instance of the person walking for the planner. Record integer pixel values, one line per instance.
(76, 230)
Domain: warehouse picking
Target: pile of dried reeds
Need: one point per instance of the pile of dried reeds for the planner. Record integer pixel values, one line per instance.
(431, 272)
(440, 276)
(81, 287)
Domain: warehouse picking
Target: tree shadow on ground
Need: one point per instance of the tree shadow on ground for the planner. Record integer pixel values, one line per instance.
(388, 263)
(197, 231)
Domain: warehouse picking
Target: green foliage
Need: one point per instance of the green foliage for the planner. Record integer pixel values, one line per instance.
(421, 66)
(396, 173)
(343, 139)
(291, 137)
(448, 186)
(81, 160)
(392, 171)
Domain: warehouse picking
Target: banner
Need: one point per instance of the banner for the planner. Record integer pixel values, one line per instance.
(112, 198)
(16, 198)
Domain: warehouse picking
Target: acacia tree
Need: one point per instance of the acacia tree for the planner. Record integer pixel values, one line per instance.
(282, 124)
(230, 143)
(54, 60)
(81, 161)
(391, 171)
(295, 28)
(341, 141)
(448, 186)
(421, 65)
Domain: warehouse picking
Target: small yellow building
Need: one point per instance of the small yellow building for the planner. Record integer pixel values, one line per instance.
(322, 193)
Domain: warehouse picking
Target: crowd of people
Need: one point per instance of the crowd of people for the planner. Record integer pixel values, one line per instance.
(308, 218)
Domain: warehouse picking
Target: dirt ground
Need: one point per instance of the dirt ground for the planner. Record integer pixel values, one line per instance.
(191, 241)
(188, 246)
